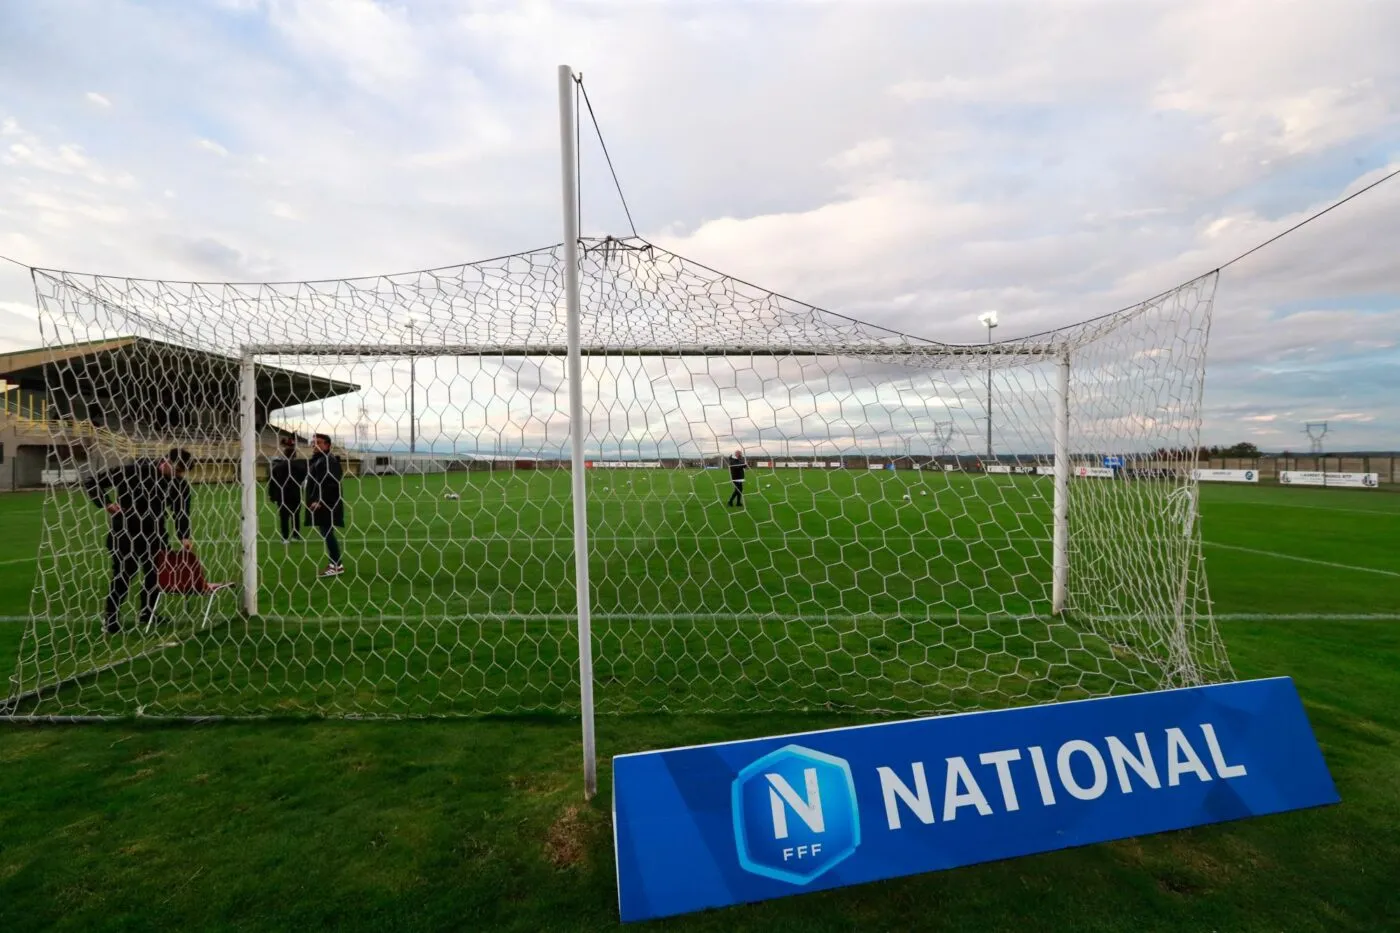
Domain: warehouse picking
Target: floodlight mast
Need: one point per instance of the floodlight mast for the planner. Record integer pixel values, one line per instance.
(989, 318)
(412, 327)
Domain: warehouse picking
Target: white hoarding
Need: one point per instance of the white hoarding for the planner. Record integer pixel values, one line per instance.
(1344, 480)
(1225, 476)
(997, 468)
(1093, 472)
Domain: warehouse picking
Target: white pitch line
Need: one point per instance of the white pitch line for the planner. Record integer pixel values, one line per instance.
(447, 540)
(1302, 560)
(1306, 617)
(871, 539)
(818, 618)
(1314, 508)
(796, 619)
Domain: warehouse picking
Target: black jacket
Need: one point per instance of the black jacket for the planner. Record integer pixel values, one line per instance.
(737, 465)
(323, 486)
(284, 480)
(145, 496)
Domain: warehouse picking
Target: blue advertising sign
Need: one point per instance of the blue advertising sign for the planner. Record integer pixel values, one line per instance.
(1113, 462)
(715, 825)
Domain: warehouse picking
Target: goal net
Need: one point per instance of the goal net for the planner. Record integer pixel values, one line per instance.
(889, 551)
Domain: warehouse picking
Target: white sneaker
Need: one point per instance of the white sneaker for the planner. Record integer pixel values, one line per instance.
(334, 570)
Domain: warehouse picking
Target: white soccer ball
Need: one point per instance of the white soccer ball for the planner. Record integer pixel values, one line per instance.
(923, 492)
(906, 495)
(451, 495)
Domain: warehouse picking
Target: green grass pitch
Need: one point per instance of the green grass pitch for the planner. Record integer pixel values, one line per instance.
(834, 590)
(479, 823)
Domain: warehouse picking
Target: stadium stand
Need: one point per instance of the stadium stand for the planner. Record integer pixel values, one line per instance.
(108, 402)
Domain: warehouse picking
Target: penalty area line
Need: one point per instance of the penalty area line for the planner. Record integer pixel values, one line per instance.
(1302, 560)
(1309, 617)
(936, 617)
(815, 618)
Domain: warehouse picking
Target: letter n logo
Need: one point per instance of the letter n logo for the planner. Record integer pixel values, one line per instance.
(795, 815)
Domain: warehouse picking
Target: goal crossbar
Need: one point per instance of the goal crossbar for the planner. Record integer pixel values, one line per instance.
(438, 349)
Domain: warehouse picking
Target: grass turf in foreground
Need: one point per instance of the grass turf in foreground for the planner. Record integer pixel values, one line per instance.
(480, 825)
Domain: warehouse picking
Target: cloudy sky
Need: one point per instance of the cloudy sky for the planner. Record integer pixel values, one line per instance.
(912, 163)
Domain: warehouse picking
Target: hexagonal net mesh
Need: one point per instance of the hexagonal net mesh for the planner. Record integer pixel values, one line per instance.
(876, 556)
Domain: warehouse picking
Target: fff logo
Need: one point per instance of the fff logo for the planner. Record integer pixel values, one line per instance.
(795, 815)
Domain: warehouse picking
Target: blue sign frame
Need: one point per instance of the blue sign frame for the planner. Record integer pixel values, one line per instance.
(714, 825)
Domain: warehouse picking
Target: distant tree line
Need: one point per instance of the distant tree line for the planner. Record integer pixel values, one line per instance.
(1244, 449)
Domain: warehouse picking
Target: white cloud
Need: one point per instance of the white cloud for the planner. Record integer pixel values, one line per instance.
(372, 44)
(946, 88)
(1072, 160)
(864, 154)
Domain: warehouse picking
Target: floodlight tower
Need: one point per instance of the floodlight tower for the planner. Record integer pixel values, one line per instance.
(989, 318)
(362, 429)
(412, 326)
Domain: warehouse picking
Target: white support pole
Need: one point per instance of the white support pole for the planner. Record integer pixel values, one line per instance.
(1060, 564)
(569, 160)
(248, 434)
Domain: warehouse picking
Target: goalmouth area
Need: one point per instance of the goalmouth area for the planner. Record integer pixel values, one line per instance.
(908, 591)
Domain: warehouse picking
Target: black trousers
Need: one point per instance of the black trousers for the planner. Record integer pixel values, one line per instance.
(332, 542)
(288, 516)
(737, 496)
(133, 553)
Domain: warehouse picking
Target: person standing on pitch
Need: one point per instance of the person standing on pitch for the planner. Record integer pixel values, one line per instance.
(145, 490)
(737, 466)
(324, 503)
(285, 476)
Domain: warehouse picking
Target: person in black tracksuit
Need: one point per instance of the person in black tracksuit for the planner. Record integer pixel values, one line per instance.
(324, 501)
(145, 491)
(285, 476)
(737, 466)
